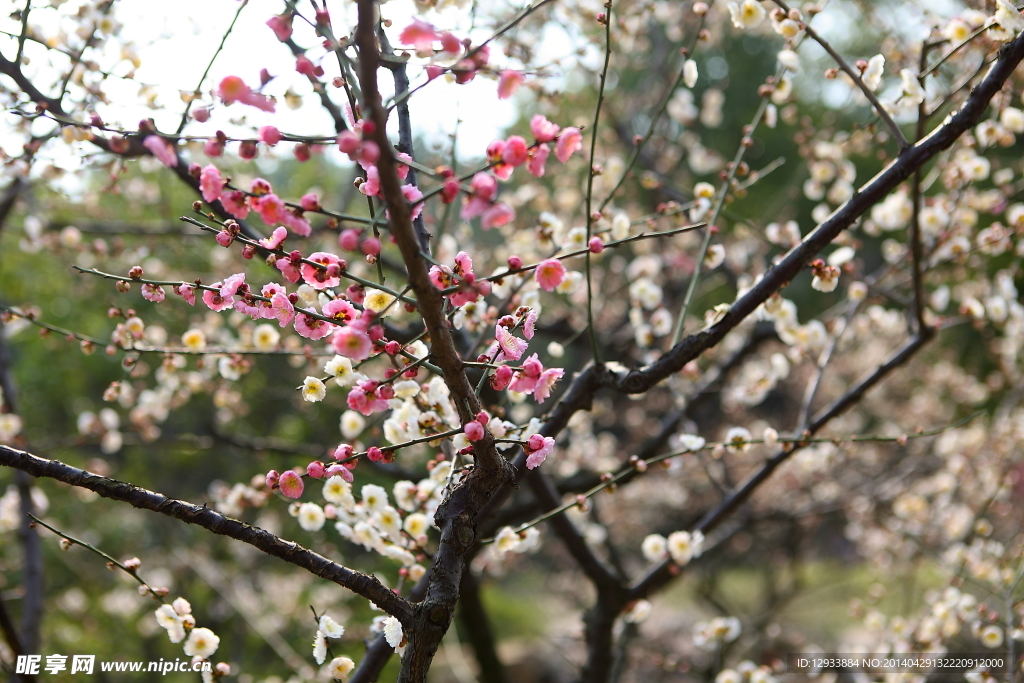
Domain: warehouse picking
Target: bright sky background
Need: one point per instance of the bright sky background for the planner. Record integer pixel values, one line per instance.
(175, 41)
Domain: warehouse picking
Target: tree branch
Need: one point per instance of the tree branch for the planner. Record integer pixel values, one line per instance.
(361, 584)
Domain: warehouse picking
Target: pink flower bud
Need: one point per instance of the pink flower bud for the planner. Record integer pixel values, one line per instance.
(341, 471)
(392, 347)
(501, 378)
(474, 431)
(515, 263)
(374, 454)
(348, 142)
(349, 239)
(315, 469)
(596, 245)
(225, 238)
(536, 442)
(343, 451)
(482, 417)
(310, 202)
(371, 245)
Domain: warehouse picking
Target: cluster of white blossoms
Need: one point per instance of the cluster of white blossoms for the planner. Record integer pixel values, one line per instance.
(396, 533)
(508, 540)
(177, 619)
(746, 672)
(680, 546)
(710, 635)
(339, 667)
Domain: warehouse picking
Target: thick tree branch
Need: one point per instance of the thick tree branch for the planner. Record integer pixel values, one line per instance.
(664, 573)
(456, 516)
(361, 584)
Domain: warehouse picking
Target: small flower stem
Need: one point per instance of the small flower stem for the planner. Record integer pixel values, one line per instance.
(97, 551)
(595, 351)
(206, 72)
(581, 252)
(855, 77)
(629, 469)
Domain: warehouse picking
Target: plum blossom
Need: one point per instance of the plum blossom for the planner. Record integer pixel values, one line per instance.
(290, 484)
(549, 274)
(508, 346)
(508, 82)
(571, 140)
(542, 129)
(421, 35)
(215, 301)
(747, 14)
(327, 276)
(310, 327)
(538, 448)
(538, 158)
(233, 89)
(210, 183)
(154, 293)
(162, 150)
(872, 76)
(352, 343)
(313, 390)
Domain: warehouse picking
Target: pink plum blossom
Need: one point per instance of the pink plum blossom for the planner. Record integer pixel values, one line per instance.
(501, 378)
(269, 206)
(233, 89)
(542, 129)
(288, 268)
(154, 293)
(352, 343)
(210, 183)
(538, 449)
(508, 346)
(270, 135)
(341, 311)
(498, 215)
(474, 431)
(323, 278)
(538, 159)
(421, 36)
(276, 238)
(162, 150)
(232, 284)
(281, 25)
(310, 327)
(234, 203)
(293, 218)
(215, 301)
(187, 292)
(515, 151)
(508, 82)
(571, 140)
(549, 274)
(412, 195)
(291, 484)
(282, 309)
(546, 382)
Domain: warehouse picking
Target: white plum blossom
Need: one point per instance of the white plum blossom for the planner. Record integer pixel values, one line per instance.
(684, 546)
(392, 629)
(330, 627)
(872, 76)
(690, 73)
(202, 642)
(313, 390)
(654, 548)
(747, 14)
(311, 517)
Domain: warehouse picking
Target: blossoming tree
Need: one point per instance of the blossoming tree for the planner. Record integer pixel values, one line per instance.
(495, 373)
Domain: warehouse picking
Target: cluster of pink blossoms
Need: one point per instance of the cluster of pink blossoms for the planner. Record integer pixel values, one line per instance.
(461, 276)
(261, 199)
